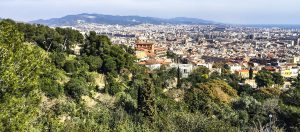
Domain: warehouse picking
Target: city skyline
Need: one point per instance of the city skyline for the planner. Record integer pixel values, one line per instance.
(230, 11)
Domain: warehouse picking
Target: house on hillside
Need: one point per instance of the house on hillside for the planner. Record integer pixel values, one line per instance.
(185, 69)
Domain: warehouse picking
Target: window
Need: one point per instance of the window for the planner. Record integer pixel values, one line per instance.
(184, 70)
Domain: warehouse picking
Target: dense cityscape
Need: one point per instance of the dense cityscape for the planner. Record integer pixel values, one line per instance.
(149, 66)
(241, 47)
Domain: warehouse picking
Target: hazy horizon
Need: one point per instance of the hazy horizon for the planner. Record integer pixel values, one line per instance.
(229, 11)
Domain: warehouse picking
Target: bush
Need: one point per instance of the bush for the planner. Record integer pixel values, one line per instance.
(109, 65)
(59, 59)
(265, 93)
(70, 66)
(244, 89)
(73, 66)
(51, 87)
(113, 87)
(194, 122)
(199, 75)
(204, 95)
(126, 101)
(94, 62)
(75, 88)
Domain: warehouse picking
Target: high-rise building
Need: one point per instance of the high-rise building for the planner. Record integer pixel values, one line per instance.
(297, 41)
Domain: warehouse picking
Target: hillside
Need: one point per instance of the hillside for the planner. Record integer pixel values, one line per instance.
(45, 86)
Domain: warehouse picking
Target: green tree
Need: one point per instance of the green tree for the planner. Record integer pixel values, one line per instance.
(75, 66)
(75, 88)
(245, 89)
(95, 44)
(290, 108)
(202, 96)
(199, 75)
(109, 65)
(292, 96)
(50, 86)
(264, 79)
(172, 55)
(69, 66)
(268, 92)
(215, 75)
(251, 73)
(127, 102)
(21, 65)
(70, 38)
(296, 82)
(113, 87)
(277, 78)
(252, 107)
(59, 59)
(94, 62)
(146, 101)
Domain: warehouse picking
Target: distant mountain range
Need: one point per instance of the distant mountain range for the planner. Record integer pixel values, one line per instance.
(72, 20)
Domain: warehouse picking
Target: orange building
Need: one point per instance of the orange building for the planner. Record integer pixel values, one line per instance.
(160, 52)
(144, 45)
(245, 73)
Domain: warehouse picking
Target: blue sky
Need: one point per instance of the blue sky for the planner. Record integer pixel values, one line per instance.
(226, 11)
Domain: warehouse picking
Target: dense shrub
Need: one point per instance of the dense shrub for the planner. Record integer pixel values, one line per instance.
(75, 88)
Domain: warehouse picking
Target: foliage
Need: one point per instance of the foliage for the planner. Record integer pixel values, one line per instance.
(94, 62)
(113, 87)
(146, 102)
(245, 89)
(251, 106)
(199, 75)
(265, 93)
(198, 122)
(60, 39)
(215, 75)
(172, 55)
(290, 116)
(35, 75)
(95, 44)
(296, 82)
(290, 107)
(215, 91)
(127, 102)
(75, 88)
(58, 59)
(50, 86)
(277, 78)
(69, 66)
(21, 64)
(109, 65)
(75, 66)
(265, 78)
(251, 73)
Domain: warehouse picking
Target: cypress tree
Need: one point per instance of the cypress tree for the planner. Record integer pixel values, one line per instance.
(178, 77)
(146, 102)
(251, 73)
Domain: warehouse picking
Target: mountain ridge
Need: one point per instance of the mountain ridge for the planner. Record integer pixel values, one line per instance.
(71, 20)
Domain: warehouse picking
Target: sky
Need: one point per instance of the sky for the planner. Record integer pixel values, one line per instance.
(224, 11)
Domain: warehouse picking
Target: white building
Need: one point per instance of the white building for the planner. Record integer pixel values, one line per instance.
(153, 66)
(207, 65)
(294, 72)
(185, 69)
(235, 67)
